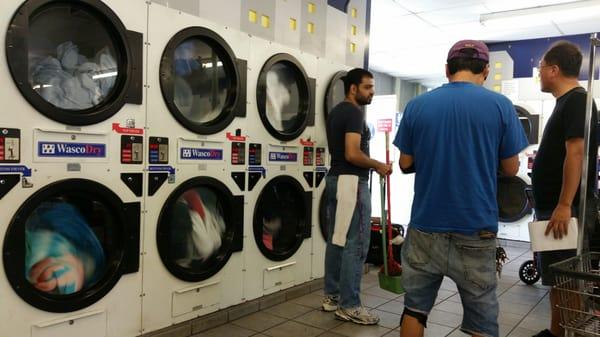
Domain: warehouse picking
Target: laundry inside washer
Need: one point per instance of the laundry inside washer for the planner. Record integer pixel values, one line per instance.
(283, 98)
(63, 255)
(201, 84)
(198, 227)
(279, 219)
(72, 58)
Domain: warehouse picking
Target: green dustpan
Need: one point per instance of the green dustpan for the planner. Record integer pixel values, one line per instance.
(387, 281)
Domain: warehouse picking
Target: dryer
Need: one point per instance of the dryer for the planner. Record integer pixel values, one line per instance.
(330, 92)
(193, 233)
(278, 219)
(514, 209)
(71, 167)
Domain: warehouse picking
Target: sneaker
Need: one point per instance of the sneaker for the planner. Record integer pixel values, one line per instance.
(545, 333)
(358, 315)
(329, 304)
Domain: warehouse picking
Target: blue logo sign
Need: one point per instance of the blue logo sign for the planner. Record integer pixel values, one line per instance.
(201, 154)
(283, 156)
(73, 150)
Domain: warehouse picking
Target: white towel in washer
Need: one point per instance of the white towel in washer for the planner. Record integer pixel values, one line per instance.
(347, 192)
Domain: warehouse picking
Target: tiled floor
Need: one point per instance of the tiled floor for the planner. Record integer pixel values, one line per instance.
(524, 310)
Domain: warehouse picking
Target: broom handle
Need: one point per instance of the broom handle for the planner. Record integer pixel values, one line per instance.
(382, 223)
(389, 203)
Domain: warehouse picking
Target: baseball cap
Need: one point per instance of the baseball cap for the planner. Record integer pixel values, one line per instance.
(469, 49)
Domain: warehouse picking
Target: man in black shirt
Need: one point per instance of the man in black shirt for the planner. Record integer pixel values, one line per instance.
(348, 201)
(556, 173)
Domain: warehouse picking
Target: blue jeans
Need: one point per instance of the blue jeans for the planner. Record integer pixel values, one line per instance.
(466, 259)
(344, 265)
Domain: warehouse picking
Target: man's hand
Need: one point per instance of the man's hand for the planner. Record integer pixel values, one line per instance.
(384, 169)
(559, 222)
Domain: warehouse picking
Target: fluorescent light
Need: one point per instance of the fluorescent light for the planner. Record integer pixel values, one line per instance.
(104, 75)
(542, 15)
(36, 87)
(210, 64)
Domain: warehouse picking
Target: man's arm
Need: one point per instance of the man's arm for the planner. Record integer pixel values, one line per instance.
(559, 221)
(510, 166)
(355, 156)
(407, 163)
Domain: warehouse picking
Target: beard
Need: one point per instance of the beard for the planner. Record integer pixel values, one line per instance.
(363, 100)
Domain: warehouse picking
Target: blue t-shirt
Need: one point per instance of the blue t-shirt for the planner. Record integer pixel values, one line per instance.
(457, 134)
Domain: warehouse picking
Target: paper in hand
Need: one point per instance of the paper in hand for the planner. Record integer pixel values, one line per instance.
(541, 242)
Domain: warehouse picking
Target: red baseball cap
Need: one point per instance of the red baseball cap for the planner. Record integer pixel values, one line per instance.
(469, 49)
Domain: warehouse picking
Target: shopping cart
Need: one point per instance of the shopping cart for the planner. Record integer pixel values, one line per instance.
(578, 278)
(578, 287)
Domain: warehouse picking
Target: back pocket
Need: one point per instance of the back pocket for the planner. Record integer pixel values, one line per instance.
(419, 247)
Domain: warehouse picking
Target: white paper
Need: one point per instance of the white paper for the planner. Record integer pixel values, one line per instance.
(541, 242)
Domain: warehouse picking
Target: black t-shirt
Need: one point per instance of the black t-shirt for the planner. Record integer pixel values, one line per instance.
(343, 118)
(567, 121)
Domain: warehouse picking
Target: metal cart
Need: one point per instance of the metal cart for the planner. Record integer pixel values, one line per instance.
(578, 278)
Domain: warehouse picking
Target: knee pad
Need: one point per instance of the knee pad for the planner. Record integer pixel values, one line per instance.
(422, 318)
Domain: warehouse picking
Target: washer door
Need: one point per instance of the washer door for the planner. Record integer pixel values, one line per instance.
(68, 245)
(530, 123)
(201, 82)
(74, 61)
(282, 218)
(323, 217)
(285, 97)
(512, 199)
(200, 226)
(335, 92)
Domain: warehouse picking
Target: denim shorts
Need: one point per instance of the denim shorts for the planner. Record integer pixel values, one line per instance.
(468, 260)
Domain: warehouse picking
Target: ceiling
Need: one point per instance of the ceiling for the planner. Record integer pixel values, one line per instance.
(410, 38)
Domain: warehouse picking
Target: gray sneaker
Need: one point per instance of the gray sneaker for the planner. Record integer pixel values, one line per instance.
(358, 315)
(329, 304)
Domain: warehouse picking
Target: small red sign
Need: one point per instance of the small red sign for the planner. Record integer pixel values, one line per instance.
(235, 138)
(127, 131)
(384, 125)
(307, 142)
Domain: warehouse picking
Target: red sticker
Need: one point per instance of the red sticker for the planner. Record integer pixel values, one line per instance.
(127, 131)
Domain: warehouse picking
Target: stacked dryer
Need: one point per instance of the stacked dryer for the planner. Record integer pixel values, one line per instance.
(193, 233)
(71, 167)
(330, 92)
(277, 247)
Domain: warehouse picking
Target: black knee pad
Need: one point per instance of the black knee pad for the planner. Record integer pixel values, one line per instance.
(422, 318)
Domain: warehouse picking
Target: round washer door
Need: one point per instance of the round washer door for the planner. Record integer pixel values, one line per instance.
(200, 81)
(71, 60)
(512, 199)
(335, 92)
(282, 218)
(200, 226)
(284, 97)
(69, 244)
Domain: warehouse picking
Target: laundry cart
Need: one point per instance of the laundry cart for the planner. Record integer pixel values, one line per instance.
(578, 278)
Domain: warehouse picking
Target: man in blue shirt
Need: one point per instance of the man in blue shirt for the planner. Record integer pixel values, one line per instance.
(456, 139)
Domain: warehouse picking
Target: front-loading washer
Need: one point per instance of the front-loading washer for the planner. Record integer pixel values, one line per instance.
(72, 167)
(193, 235)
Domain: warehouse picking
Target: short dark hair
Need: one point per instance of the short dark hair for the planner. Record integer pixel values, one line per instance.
(566, 56)
(474, 65)
(355, 77)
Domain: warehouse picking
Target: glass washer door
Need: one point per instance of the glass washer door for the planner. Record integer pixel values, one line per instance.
(199, 228)
(200, 81)
(512, 199)
(72, 61)
(69, 244)
(284, 97)
(282, 218)
(335, 92)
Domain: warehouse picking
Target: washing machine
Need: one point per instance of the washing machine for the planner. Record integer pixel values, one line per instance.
(514, 209)
(330, 92)
(71, 167)
(281, 179)
(193, 235)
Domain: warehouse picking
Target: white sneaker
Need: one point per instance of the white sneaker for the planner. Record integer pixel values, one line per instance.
(329, 304)
(358, 315)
